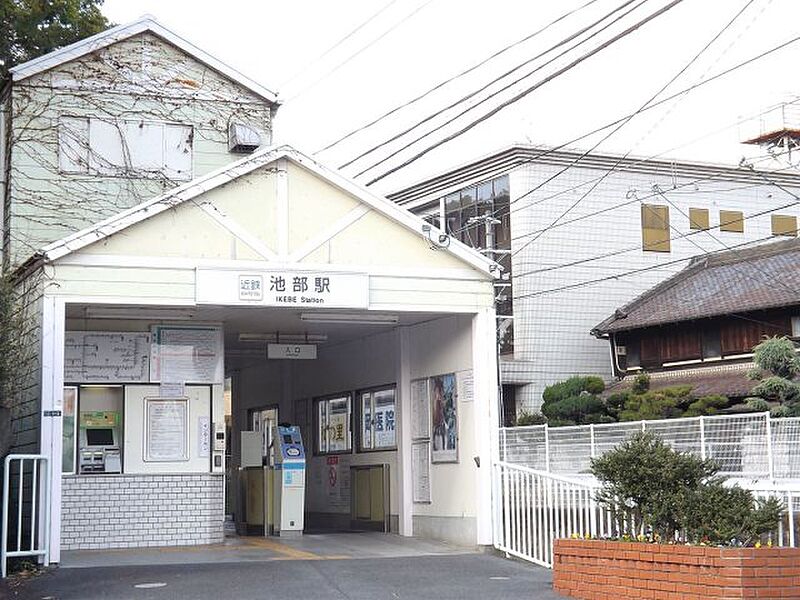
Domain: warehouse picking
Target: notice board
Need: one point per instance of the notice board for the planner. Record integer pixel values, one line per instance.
(106, 357)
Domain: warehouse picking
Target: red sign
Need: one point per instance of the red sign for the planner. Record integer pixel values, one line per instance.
(332, 476)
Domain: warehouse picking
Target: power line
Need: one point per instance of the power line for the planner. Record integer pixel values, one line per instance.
(667, 263)
(455, 77)
(684, 91)
(339, 43)
(356, 53)
(527, 91)
(625, 122)
(498, 79)
(638, 246)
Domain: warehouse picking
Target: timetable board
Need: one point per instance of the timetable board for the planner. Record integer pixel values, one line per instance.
(105, 356)
(186, 354)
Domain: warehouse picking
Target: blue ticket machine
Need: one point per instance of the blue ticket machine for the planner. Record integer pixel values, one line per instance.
(289, 480)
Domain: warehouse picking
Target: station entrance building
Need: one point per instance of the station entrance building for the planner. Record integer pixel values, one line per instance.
(177, 334)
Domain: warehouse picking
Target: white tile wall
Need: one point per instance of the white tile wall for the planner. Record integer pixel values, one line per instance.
(134, 511)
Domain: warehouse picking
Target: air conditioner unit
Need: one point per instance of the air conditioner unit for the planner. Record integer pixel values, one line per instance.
(243, 139)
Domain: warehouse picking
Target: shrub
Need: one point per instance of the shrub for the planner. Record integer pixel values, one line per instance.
(574, 401)
(648, 485)
(757, 404)
(777, 389)
(572, 387)
(525, 418)
(706, 405)
(729, 515)
(575, 409)
(641, 383)
(778, 356)
(666, 403)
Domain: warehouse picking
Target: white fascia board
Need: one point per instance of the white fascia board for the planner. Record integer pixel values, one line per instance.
(122, 32)
(192, 189)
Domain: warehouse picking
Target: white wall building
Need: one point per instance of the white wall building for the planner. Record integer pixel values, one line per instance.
(142, 311)
(584, 235)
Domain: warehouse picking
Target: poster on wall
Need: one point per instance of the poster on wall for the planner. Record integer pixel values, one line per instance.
(106, 356)
(421, 471)
(465, 386)
(182, 354)
(420, 410)
(166, 430)
(444, 418)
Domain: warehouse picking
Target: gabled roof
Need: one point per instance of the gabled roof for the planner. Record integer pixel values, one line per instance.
(215, 179)
(717, 284)
(122, 32)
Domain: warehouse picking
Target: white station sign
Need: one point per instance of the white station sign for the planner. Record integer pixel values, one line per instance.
(297, 289)
(292, 351)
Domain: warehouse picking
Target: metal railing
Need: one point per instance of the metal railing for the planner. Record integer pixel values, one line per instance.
(28, 477)
(533, 508)
(747, 446)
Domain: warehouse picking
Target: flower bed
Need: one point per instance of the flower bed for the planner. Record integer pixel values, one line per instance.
(605, 570)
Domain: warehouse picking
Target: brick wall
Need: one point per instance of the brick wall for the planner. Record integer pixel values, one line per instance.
(595, 570)
(129, 511)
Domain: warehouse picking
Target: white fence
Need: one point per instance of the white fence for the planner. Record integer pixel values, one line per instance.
(25, 482)
(533, 508)
(747, 446)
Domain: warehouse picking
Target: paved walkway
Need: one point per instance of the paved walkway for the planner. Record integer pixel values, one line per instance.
(458, 577)
(328, 546)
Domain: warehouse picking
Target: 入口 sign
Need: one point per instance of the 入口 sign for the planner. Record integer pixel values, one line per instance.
(292, 351)
(301, 289)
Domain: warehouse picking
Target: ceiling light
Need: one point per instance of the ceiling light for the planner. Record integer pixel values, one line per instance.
(138, 314)
(355, 319)
(283, 337)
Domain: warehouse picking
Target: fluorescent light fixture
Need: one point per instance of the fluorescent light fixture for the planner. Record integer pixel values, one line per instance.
(311, 338)
(352, 318)
(139, 314)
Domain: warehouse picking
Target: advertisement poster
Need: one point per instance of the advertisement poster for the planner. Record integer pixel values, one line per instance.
(444, 419)
(167, 432)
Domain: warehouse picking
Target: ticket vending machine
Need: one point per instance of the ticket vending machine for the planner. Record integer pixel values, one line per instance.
(289, 486)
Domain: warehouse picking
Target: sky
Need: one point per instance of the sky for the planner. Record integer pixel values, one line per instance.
(339, 65)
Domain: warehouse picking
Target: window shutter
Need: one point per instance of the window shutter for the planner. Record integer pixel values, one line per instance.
(698, 218)
(731, 220)
(655, 228)
(784, 225)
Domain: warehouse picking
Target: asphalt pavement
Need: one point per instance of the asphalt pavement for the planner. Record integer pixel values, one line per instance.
(466, 576)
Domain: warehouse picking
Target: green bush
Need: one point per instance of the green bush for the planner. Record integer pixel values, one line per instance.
(778, 356)
(525, 418)
(706, 405)
(647, 485)
(666, 403)
(574, 401)
(641, 383)
(776, 389)
(757, 404)
(572, 387)
(575, 409)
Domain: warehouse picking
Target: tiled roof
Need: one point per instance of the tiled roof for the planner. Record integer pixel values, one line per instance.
(726, 380)
(732, 281)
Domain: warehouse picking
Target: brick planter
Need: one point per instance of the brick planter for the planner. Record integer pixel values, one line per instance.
(599, 570)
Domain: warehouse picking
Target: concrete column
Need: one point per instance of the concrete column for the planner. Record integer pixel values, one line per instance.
(484, 370)
(52, 390)
(403, 403)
